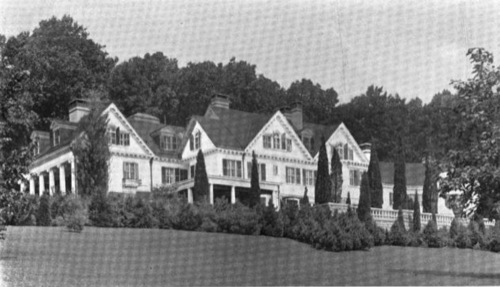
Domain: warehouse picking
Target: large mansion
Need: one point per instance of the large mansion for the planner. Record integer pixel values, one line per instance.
(146, 153)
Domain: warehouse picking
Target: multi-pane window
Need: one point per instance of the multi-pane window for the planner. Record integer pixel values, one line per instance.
(262, 170)
(124, 139)
(344, 151)
(292, 175)
(112, 135)
(267, 141)
(168, 142)
(354, 177)
(172, 175)
(277, 141)
(309, 178)
(130, 170)
(197, 140)
(231, 168)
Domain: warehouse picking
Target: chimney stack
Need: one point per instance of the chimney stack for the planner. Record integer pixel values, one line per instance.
(294, 114)
(78, 108)
(220, 101)
(366, 148)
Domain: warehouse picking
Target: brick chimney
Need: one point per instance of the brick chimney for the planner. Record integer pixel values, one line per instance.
(220, 101)
(78, 108)
(294, 114)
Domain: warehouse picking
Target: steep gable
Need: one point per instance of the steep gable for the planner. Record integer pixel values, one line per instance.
(342, 135)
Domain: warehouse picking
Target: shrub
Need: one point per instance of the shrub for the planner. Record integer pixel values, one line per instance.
(475, 234)
(398, 235)
(432, 237)
(188, 218)
(461, 236)
(138, 214)
(18, 208)
(378, 233)
(289, 214)
(494, 242)
(100, 210)
(44, 218)
(454, 228)
(271, 222)
(415, 239)
(238, 219)
(208, 215)
(75, 214)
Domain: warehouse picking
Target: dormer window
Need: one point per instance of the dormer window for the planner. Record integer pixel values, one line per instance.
(57, 137)
(345, 152)
(195, 141)
(36, 149)
(118, 137)
(308, 142)
(168, 142)
(124, 139)
(277, 141)
(112, 135)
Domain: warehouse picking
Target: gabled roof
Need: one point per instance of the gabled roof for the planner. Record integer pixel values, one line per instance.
(415, 173)
(318, 132)
(233, 129)
(145, 130)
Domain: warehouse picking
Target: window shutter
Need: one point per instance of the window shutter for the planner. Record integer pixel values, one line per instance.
(174, 142)
(283, 141)
(304, 176)
(238, 168)
(224, 167)
(117, 135)
(351, 154)
(249, 169)
(191, 142)
(163, 180)
(346, 152)
(297, 172)
(263, 172)
(124, 170)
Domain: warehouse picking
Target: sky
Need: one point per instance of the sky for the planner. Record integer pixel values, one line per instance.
(412, 48)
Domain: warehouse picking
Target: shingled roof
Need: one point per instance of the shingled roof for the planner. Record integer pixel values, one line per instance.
(415, 173)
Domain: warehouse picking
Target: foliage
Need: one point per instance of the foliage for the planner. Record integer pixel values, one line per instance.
(375, 180)
(322, 188)
(75, 213)
(494, 242)
(238, 219)
(101, 210)
(432, 237)
(398, 235)
(44, 218)
(378, 233)
(336, 177)
(18, 208)
(475, 235)
(254, 182)
(429, 194)
(473, 165)
(400, 196)
(416, 214)
(188, 218)
(62, 61)
(271, 222)
(305, 199)
(91, 150)
(200, 189)
(364, 206)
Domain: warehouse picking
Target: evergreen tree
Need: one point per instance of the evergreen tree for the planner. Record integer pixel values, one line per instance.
(429, 187)
(400, 220)
(44, 217)
(336, 176)
(399, 182)
(322, 190)
(416, 214)
(91, 151)
(254, 182)
(375, 180)
(304, 200)
(201, 188)
(364, 206)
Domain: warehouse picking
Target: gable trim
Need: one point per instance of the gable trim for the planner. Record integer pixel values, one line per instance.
(350, 139)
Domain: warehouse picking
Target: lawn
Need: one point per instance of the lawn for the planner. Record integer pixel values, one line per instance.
(37, 256)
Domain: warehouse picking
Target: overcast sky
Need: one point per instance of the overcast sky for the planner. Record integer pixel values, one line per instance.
(413, 48)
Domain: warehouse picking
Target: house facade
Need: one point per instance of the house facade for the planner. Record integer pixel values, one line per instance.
(146, 153)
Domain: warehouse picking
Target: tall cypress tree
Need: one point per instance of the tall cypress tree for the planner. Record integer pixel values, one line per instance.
(304, 200)
(322, 188)
(336, 176)
(200, 189)
(364, 206)
(254, 182)
(416, 214)
(399, 182)
(375, 180)
(429, 195)
(348, 200)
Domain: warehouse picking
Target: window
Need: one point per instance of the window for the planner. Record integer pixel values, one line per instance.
(288, 144)
(340, 151)
(308, 142)
(345, 152)
(112, 135)
(57, 137)
(283, 142)
(124, 139)
(292, 175)
(168, 142)
(37, 147)
(267, 141)
(231, 168)
(275, 170)
(262, 171)
(351, 154)
(276, 141)
(172, 175)
(130, 170)
(354, 177)
(309, 178)
(197, 140)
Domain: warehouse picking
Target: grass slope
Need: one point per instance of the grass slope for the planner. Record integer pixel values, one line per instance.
(36, 256)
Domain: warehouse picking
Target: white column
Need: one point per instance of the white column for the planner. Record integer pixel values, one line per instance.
(52, 184)
(73, 177)
(190, 195)
(32, 185)
(62, 179)
(233, 195)
(41, 182)
(211, 193)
